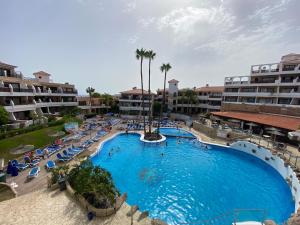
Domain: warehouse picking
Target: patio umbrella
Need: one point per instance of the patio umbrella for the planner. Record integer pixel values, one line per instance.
(276, 133)
(14, 173)
(294, 135)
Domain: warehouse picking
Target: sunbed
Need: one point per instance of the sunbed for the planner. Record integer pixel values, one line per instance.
(50, 165)
(34, 172)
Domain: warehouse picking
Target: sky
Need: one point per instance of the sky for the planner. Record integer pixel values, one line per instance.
(93, 42)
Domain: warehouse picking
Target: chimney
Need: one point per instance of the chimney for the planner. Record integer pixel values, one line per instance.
(207, 85)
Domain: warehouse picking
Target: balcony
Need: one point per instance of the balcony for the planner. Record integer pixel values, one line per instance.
(132, 108)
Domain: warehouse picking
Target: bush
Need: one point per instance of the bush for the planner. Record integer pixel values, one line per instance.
(94, 184)
(57, 171)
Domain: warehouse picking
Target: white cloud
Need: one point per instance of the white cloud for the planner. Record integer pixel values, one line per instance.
(147, 22)
(188, 24)
(129, 6)
(133, 39)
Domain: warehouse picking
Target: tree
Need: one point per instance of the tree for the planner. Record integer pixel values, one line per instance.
(140, 54)
(164, 68)
(90, 91)
(4, 116)
(150, 56)
(96, 95)
(191, 97)
(156, 108)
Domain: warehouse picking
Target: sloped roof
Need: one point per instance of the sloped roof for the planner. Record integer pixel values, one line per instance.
(210, 89)
(41, 73)
(173, 81)
(278, 121)
(136, 91)
(6, 66)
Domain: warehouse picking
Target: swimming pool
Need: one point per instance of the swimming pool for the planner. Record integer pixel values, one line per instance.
(176, 132)
(182, 182)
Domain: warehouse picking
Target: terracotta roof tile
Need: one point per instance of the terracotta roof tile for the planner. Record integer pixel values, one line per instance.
(278, 121)
(135, 91)
(210, 89)
(173, 81)
(42, 72)
(7, 66)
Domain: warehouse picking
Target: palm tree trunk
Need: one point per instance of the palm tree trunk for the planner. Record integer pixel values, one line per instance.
(149, 90)
(143, 105)
(90, 102)
(163, 103)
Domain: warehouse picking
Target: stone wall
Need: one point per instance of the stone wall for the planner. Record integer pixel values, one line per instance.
(98, 212)
(209, 131)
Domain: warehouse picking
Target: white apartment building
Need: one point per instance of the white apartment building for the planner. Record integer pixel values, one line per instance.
(130, 101)
(273, 87)
(95, 105)
(206, 99)
(24, 97)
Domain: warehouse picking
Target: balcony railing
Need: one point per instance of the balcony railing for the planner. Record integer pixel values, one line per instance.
(22, 90)
(4, 89)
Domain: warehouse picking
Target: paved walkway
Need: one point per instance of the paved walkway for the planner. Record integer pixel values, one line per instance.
(40, 182)
(55, 207)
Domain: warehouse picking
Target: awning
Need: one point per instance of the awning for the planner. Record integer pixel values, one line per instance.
(278, 121)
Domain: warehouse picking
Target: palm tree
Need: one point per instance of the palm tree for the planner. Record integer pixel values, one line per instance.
(90, 91)
(191, 97)
(140, 54)
(164, 68)
(150, 55)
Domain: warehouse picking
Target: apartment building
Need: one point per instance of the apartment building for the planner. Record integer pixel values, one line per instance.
(130, 101)
(24, 97)
(205, 99)
(95, 105)
(270, 89)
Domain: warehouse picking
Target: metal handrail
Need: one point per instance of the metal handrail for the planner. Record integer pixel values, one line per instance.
(232, 214)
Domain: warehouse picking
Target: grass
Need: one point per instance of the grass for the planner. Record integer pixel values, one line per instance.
(38, 138)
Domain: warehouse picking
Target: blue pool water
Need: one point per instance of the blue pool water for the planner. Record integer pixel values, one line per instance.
(189, 184)
(175, 132)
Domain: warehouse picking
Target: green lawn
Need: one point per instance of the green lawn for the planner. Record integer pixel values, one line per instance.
(38, 138)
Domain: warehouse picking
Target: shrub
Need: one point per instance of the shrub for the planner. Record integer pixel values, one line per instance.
(57, 171)
(94, 184)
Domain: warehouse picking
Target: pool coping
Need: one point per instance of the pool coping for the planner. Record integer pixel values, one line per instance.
(260, 153)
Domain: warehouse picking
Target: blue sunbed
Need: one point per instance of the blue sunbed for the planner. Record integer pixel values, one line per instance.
(62, 158)
(50, 165)
(20, 166)
(34, 172)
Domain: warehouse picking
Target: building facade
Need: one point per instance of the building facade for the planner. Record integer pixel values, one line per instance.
(199, 100)
(130, 102)
(24, 98)
(269, 96)
(95, 105)
(271, 88)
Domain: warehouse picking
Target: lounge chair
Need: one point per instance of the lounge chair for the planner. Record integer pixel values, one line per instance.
(62, 158)
(68, 154)
(50, 165)
(20, 166)
(39, 153)
(34, 172)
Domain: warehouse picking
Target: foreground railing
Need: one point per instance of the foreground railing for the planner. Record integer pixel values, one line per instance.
(234, 217)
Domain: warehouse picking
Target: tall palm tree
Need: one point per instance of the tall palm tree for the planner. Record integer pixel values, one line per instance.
(90, 91)
(140, 54)
(191, 97)
(150, 56)
(164, 68)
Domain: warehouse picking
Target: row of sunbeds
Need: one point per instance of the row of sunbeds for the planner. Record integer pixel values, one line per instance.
(69, 154)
